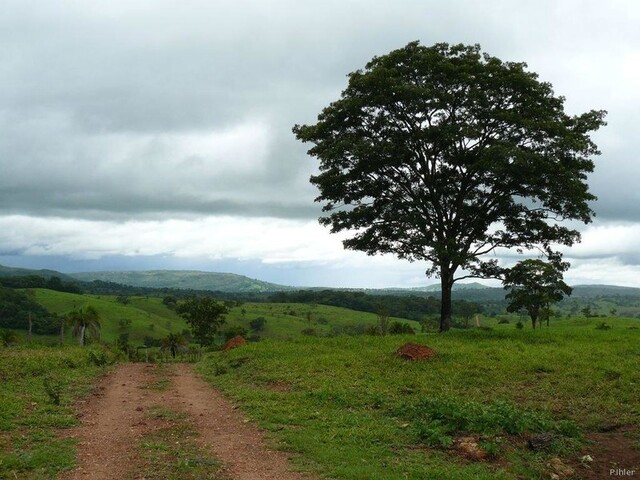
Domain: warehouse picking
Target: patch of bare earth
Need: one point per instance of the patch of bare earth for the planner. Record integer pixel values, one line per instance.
(614, 454)
(114, 422)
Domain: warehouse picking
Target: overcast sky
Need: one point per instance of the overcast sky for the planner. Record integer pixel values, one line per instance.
(157, 134)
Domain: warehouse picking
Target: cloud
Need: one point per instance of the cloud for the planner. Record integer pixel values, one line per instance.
(153, 120)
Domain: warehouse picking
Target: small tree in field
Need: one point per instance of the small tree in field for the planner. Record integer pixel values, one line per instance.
(85, 323)
(204, 315)
(534, 285)
(444, 154)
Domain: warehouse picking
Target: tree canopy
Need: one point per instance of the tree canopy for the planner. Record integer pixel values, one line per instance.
(444, 154)
(534, 285)
(205, 315)
(85, 323)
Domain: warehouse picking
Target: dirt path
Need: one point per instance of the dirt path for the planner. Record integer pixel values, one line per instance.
(114, 423)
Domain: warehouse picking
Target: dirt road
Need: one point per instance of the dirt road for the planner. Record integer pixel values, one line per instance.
(131, 404)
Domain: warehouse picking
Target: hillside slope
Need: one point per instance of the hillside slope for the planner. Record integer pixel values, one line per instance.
(195, 280)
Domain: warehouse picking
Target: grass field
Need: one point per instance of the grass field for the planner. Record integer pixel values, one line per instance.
(39, 388)
(150, 317)
(353, 410)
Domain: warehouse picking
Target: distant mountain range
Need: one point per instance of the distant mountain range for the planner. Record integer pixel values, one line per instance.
(230, 282)
(186, 279)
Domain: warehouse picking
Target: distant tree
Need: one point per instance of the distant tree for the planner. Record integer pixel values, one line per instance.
(444, 154)
(586, 311)
(383, 319)
(231, 332)
(85, 323)
(257, 324)
(534, 285)
(467, 310)
(401, 328)
(204, 315)
(170, 301)
(173, 342)
(123, 342)
(123, 299)
(124, 324)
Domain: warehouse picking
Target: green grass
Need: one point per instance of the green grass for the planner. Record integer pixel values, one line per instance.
(39, 387)
(286, 321)
(149, 317)
(355, 411)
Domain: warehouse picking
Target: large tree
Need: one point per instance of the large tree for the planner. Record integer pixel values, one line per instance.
(446, 154)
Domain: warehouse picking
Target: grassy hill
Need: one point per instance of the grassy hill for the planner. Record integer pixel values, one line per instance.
(15, 272)
(195, 280)
(350, 409)
(148, 316)
(151, 318)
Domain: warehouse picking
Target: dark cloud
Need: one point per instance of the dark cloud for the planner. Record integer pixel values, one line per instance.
(99, 102)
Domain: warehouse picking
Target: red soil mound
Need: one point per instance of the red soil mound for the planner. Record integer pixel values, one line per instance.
(234, 342)
(415, 351)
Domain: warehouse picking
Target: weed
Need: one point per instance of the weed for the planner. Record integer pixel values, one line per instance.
(603, 326)
(53, 388)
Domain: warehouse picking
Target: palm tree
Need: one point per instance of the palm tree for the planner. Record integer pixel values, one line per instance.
(85, 322)
(173, 342)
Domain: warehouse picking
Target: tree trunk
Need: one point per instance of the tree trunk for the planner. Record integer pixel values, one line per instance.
(30, 326)
(445, 302)
(62, 332)
(82, 328)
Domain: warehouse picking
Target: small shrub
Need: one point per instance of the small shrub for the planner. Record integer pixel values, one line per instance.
(231, 332)
(53, 389)
(99, 359)
(433, 435)
(310, 332)
(603, 326)
(257, 324)
(373, 330)
(519, 325)
(401, 328)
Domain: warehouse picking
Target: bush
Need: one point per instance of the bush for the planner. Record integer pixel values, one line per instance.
(310, 332)
(401, 328)
(257, 324)
(603, 326)
(519, 325)
(437, 419)
(231, 332)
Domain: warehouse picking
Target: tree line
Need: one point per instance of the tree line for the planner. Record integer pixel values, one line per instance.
(411, 307)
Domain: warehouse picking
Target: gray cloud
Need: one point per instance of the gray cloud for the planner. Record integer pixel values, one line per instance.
(140, 110)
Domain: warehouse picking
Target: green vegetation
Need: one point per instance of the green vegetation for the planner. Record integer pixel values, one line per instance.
(190, 280)
(429, 148)
(355, 411)
(134, 318)
(39, 387)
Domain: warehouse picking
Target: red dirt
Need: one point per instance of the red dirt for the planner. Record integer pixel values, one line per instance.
(234, 342)
(611, 450)
(415, 351)
(113, 422)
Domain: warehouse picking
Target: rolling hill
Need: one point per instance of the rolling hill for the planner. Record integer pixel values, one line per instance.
(194, 280)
